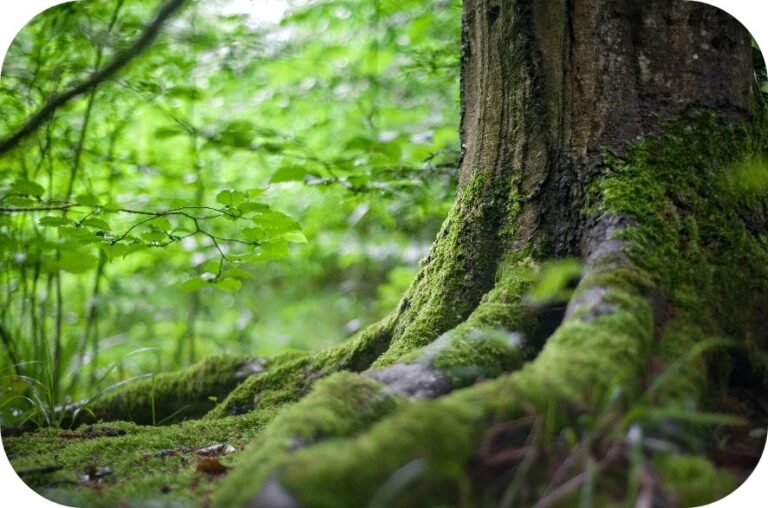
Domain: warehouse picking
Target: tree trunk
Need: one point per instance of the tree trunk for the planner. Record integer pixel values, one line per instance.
(613, 132)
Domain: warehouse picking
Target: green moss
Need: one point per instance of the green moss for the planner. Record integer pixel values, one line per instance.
(695, 228)
(338, 406)
(149, 465)
(165, 398)
(440, 434)
(678, 341)
(443, 434)
(692, 480)
(290, 379)
(459, 270)
(492, 340)
(470, 355)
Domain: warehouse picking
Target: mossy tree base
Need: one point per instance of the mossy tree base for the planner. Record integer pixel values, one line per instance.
(648, 300)
(476, 390)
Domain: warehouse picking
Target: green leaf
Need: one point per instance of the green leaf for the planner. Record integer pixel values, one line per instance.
(95, 223)
(256, 234)
(272, 147)
(24, 186)
(18, 201)
(238, 134)
(272, 250)
(51, 221)
(162, 224)
(229, 285)
(359, 181)
(87, 200)
(167, 132)
(134, 247)
(77, 261)
(114, 251)
(153, 236)
(185, 92)
(289, 174)
(78, 236)
(193, 284)
(252, 206)
(359, 143)
(556, 281)
(230, 198)
(445, 137)
(238, 273)
(275, 223)
(295, 237)
(211, 266)
(267, 132)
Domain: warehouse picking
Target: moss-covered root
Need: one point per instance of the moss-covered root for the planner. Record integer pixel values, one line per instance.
(458, 273)
(338, 406)
(289, 378)
(459, 269)
(495, 339)
(504, 331)
(422, 449)
(165, 398)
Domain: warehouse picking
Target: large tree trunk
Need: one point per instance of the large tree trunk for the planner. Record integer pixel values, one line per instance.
(610, 131)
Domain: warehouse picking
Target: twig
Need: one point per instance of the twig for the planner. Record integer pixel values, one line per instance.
(45, 208)
(574, 483)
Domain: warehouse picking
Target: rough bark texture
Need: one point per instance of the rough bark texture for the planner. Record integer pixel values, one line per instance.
(611, 131)
(549, 87)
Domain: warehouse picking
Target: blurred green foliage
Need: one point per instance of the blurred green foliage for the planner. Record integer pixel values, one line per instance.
(242, 186)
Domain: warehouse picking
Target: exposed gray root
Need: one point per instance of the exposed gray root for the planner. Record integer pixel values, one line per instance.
(414, 380)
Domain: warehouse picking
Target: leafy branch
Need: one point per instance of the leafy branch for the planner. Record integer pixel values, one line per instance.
(123, 58)
(269, 226)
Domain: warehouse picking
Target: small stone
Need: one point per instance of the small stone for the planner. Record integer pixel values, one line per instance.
(217, 449)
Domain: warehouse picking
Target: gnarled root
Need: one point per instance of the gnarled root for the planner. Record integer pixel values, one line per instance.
(603, 341)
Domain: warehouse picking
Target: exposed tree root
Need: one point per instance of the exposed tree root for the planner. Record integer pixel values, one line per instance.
(167, 398)
(291, 378)
(603, 341)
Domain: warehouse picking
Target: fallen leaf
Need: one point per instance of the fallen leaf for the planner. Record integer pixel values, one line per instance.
(211, 467)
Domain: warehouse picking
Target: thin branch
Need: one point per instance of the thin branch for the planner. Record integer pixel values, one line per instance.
(45, 208)
(120, 60)
(89, 108)
(64, 206)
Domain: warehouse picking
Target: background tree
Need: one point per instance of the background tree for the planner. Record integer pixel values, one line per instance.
(628, 136)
